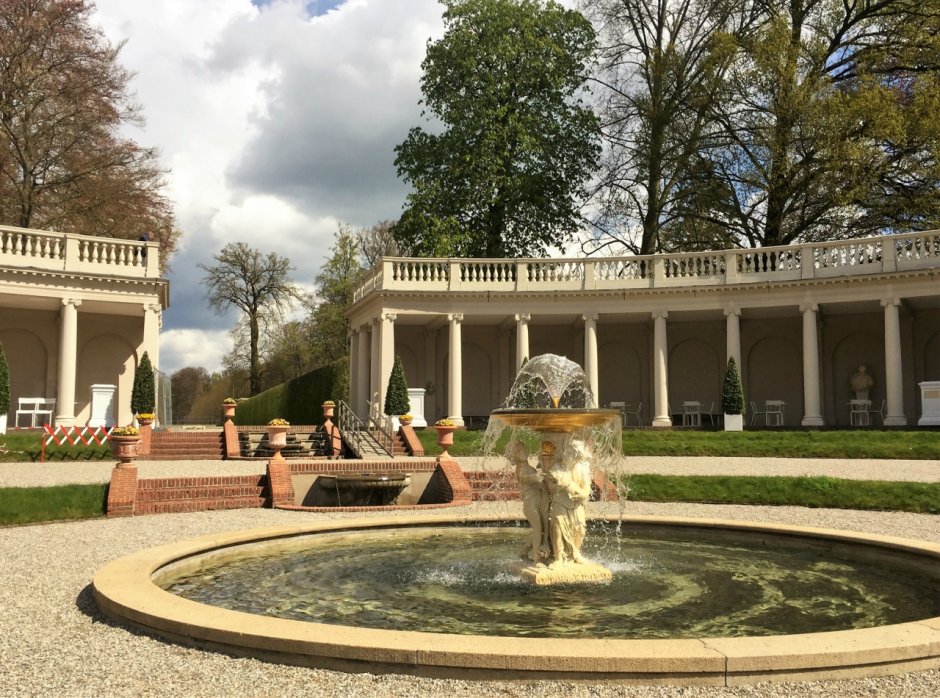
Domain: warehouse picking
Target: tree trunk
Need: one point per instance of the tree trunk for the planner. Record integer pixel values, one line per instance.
(254, 367)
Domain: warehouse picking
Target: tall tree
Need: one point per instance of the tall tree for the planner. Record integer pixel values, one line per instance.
(503, 176)
(829, 124)
(256, 284)
(658, 69)
(143, 393)
(64, 98)
(334, 294)
(186, 385)
(379, 241)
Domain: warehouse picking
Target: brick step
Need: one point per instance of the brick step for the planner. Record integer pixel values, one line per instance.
(176, 507)
(188, 456)
(186, 449)
(198, 493)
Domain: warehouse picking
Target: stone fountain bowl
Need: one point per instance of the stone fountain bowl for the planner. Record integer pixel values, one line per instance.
(127, 590)
(557, 420)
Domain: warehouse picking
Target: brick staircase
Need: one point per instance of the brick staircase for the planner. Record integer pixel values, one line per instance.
(205, 444)
(492, 487)
(173, 495)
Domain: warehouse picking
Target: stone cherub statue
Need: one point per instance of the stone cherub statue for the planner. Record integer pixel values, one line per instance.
(534, 502)
(569, 486)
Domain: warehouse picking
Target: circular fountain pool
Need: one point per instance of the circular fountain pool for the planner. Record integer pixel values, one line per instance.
(725, 601)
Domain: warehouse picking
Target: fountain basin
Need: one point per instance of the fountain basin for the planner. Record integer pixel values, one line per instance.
(362, 489)
(126, 591)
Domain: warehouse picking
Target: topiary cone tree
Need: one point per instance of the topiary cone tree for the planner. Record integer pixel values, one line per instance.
(4, 391)
(396, 396)
(732, 397)
(143, 396)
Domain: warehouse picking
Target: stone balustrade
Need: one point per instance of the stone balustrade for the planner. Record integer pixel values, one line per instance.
(80, 254)
(879, 255)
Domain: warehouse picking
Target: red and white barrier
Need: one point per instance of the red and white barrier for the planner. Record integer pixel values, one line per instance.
(73, 436)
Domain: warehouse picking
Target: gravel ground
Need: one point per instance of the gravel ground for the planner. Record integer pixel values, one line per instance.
(53, 642)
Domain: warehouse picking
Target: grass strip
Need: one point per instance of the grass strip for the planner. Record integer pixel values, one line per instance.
(27, 446)
(25, 505)
(913, 445)
(813, 492)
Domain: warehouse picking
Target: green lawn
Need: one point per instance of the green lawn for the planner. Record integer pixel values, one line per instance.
(920, 444)
(814, 492)
(25, 505)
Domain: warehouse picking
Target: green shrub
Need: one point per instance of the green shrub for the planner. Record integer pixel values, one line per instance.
(299, 400)
(396, 395)
(4, 383)
(732, 393)
(143, 395)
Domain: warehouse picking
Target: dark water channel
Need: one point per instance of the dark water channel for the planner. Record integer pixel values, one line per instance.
(669, 582)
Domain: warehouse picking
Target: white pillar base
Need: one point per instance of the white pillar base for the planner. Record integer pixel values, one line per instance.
(662, 422)
(895, 421)
(812, 421)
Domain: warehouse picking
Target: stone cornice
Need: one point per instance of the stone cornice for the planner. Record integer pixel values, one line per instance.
(116, 288)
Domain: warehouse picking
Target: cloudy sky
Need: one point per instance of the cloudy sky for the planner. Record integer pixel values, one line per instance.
(277, 120)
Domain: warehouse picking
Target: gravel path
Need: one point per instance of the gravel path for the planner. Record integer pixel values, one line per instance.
(53, 642)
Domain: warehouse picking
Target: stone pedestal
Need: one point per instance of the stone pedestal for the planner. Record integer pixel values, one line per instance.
(930, 404)
(416, 401)
(568, 573)
(102, 405)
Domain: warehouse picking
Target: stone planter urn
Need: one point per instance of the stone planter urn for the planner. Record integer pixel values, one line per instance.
(228, 410)
(328, 410)
(405, 420)
(277, 439)
(124, 448)
(145, 421)
(445, 438)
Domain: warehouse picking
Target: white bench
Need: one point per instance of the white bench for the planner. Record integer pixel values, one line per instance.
(35, 407)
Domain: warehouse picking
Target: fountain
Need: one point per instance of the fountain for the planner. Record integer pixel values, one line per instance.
(550, 403)
(688, 601)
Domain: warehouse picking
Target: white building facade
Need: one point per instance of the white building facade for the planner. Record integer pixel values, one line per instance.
(77, 311)
(656, 331)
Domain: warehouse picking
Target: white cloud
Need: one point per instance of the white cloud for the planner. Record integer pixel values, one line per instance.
(192, 347)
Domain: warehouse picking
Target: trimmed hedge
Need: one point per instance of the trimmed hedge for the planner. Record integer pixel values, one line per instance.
(299, 400)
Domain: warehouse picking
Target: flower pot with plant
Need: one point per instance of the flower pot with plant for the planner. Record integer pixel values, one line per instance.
(732, 398)
(277, 436)
(228, 408)
(445, 434)
(124, 444)
(329, 408)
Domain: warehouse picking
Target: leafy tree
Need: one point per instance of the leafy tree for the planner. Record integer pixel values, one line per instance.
(186, 385)
(659, 67)
(732, 392)
(143, 394)
(64, 100)
(258, 285)
(828, 124)
(329, 328)
(396, 394)
(503, 176)
(379, 241)
(4, 383)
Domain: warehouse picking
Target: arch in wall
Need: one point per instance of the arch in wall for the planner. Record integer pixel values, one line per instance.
(775, 372)
(105, 358)
(620, 373)
(27, 363)
(852, 351)
(695, 373)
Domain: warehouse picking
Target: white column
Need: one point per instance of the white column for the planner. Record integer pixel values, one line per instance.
(894, 377)
(387, 355)
(364, 370)
(590, 354)
(430, 376)
(661, 416)
(733, 337)
(68, 358)
(153, 320)
(455, 371)
(812, 414)
(522, 339)
(375, 364)
(353, 369)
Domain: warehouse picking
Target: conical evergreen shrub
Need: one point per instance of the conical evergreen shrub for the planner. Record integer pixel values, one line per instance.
(732, 393)
(396, 396)
(143, 396)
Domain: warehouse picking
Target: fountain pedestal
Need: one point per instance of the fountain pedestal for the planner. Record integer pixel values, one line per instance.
(568, 573)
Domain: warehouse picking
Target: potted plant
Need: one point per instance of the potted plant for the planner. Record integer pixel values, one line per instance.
(445, 434)
(143, 394)
(329, 407)
(4, 391)
(396, 395)
(124, 444)
(228, 407)
(405, 419)
(732, 398)
(277, 436)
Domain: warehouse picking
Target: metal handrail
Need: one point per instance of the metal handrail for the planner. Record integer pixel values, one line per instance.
(384, 431)
(350, 427)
